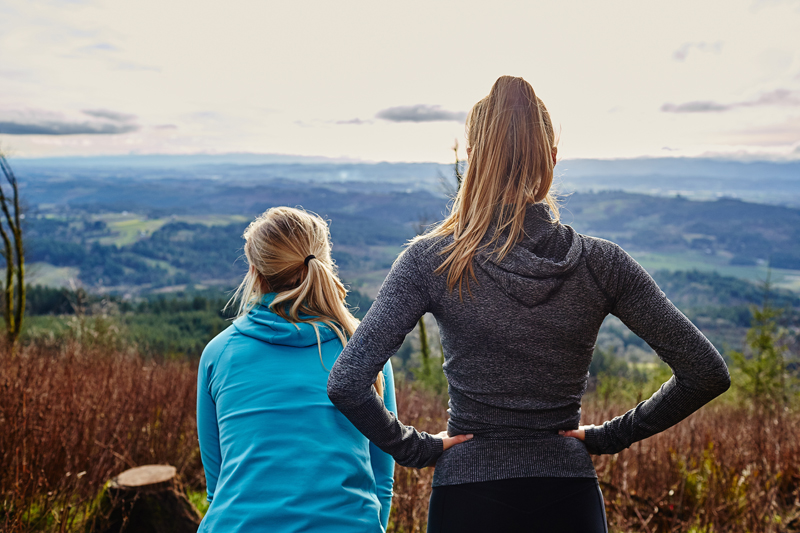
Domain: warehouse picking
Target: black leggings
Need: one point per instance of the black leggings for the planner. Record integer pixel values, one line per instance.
(530, 504)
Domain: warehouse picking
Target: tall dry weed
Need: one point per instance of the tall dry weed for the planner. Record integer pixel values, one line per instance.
(74, 416)
(725, 469)
(412, 487)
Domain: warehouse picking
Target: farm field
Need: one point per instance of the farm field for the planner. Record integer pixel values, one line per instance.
(693, 260)
(42, 273)
(126, 228)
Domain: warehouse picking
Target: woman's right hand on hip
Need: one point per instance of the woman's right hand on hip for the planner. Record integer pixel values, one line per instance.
(448, 442)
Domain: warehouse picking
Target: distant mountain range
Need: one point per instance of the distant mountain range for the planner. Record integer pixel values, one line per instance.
(177, 160)
(755, 181)
(760, 181)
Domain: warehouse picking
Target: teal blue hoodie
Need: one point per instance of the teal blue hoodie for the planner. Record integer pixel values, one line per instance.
(278, 456)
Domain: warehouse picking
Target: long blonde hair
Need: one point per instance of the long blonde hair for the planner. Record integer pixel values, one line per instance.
(511, 139)
(278, 247)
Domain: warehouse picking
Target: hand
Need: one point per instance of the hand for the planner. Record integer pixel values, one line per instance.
(579, 433)
(449, 442)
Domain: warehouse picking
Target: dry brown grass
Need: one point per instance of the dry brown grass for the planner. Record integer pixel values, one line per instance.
(71, 417)
(412, 487)
(725, 469)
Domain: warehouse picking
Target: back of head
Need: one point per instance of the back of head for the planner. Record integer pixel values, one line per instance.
(279, 245)
(511, 138)
(511, 141)
(289, 253)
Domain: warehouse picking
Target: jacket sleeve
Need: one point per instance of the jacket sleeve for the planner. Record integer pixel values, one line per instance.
(382, 463)
(699, 372)
(207, 430)
(400, 303)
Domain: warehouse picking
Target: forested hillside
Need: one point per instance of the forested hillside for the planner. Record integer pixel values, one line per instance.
(743, 233)
(148, 250)
(144, 235)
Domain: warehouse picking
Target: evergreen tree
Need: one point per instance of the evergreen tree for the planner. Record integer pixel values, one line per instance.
(762, 376)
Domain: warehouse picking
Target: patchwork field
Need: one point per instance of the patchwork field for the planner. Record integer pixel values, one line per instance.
(779, 277)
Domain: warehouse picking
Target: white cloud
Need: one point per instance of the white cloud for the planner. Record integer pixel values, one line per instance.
(38, 122)
(52, 127)
(683, 51)
(695, 107)
(107, 114)
(778, 97)
(420, 113)
(354, 121)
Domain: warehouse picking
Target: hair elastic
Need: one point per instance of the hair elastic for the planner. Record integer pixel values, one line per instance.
(309, 258)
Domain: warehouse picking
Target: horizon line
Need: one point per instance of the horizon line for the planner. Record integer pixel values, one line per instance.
(320, 159)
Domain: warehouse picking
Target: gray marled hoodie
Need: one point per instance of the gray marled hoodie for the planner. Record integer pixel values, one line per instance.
(517, 354)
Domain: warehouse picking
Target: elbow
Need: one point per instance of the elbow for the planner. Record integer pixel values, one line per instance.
(336, 392)
(725, 382)
(721, 382)
(344, 391)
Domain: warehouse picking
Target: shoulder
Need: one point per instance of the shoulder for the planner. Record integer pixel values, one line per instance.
(426, 251)
(216, 346)
(601, 253)
(597, 246)
(611, 266)
(615, 270)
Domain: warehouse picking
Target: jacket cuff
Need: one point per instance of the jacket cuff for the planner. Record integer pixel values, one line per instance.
(593, 439)
(437, 451)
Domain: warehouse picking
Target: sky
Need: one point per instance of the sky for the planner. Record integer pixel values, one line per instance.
(392, 81)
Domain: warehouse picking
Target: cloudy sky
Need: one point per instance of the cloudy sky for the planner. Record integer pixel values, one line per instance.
(392, 81)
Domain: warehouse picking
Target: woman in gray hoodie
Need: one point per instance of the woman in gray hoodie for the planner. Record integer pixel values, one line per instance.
(519, 299)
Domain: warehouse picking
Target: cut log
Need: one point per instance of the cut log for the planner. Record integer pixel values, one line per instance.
(145, 499)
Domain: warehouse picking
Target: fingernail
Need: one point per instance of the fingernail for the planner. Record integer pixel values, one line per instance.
(469, 436)
(560, 431)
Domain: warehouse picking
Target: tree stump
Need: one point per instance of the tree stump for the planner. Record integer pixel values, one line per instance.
(145, 499)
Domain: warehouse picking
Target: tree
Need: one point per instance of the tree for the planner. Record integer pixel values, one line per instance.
(458, 174)
(763, 376)
(13, 253)
(430, 374)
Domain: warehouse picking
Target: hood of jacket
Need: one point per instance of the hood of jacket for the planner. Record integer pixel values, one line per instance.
(262, 324)
(537, 265)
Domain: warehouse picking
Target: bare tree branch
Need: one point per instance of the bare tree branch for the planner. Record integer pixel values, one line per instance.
(11, 229)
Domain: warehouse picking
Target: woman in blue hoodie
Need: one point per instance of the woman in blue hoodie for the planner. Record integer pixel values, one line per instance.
(278, 456)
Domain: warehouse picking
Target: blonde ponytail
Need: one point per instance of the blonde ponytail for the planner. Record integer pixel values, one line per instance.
(289, 253)
(512, 145)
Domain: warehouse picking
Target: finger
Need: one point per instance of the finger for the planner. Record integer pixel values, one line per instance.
(574, 433)
(452, 441)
